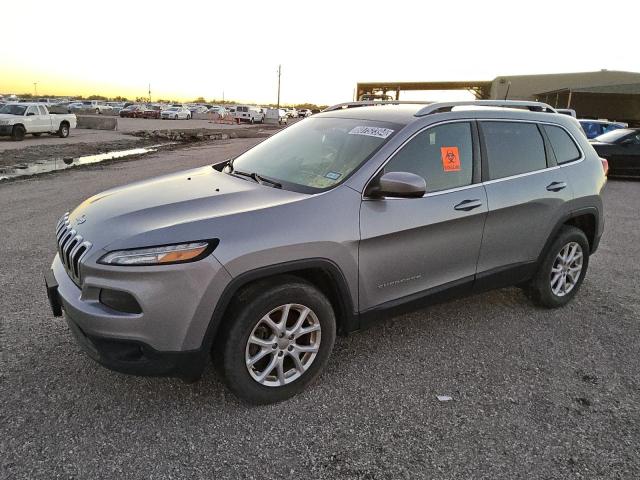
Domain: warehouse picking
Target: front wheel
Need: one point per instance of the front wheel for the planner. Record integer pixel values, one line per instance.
(562, 270)
(278, 341)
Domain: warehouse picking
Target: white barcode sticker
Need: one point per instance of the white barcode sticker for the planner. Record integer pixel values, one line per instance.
(371, 131)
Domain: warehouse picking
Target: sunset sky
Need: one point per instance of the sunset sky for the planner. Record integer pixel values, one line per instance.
(191, 48)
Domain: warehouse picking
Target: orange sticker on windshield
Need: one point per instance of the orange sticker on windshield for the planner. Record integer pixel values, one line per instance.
(450, 159)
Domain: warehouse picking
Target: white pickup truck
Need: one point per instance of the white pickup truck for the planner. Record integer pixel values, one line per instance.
(19, 119)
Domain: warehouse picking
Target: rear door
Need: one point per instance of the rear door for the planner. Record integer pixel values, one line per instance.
(527, 195)
(412, 246)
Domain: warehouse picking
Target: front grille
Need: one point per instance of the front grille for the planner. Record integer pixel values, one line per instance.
(71, 248)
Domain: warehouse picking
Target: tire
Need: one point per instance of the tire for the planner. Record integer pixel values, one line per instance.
(188, 117)
(97, 111)
(63, 131)
(251, 121)
(18, 133)
(543, 290)
(247, 315)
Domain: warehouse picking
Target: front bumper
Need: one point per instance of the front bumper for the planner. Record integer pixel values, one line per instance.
(166, 338)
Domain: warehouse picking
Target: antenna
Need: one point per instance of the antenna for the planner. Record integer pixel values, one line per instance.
(506, 95)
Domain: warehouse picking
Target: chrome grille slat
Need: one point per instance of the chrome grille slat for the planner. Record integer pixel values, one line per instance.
(72, 248)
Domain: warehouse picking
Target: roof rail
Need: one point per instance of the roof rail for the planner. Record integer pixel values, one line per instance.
(440, 107)
(368, 103)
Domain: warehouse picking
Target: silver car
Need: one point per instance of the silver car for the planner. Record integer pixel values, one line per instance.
(358, 213)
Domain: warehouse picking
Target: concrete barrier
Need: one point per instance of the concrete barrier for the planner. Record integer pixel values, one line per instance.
(97, 122)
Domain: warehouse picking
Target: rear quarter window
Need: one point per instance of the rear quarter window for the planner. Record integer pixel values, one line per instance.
(513, 148)
(562, 144)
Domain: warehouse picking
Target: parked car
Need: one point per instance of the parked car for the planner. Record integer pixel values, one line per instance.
(277, 115)
(75, 106)
(19, 119)
(197, 109)
(594, 128)
(349, 216)
(132, 111)
(249, 113)
(292, 112)
(621, 148)
(176, 113)
(303, 113)
(97, 106)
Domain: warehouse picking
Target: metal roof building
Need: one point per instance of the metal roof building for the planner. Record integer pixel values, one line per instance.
(610, 94)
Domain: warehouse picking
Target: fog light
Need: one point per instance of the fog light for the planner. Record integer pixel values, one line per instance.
(119, 301)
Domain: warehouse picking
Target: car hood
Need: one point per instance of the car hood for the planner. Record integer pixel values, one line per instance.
(8, 116)
(174, 208)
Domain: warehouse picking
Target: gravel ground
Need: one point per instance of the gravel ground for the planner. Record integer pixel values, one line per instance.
(535, 393)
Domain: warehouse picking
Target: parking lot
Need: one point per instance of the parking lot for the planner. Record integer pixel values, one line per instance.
(535, 393)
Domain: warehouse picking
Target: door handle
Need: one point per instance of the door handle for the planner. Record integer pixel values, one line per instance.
(467, 205)
(556, 186)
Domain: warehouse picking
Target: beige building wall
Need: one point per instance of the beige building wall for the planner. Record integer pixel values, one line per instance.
(525, 87)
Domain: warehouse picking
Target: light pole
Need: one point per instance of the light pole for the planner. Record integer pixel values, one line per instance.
(279, 73)
(35, 88)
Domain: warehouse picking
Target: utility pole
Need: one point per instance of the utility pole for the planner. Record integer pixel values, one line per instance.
(279, 73)
(149, 93)
(35, 88)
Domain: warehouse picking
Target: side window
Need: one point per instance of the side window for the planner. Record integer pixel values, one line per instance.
(513, 148)
(32, 110)
(563, 146)
(42, 111)
(442, 155)
(591, 129)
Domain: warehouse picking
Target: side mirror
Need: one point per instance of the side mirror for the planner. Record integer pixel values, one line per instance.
(398, 185)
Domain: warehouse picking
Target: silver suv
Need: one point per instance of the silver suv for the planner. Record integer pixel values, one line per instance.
(354, 214)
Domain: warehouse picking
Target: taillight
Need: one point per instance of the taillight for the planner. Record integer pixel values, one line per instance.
(605, 166)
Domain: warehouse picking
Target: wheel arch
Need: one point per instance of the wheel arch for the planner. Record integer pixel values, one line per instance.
(586, 219)
(323, 273)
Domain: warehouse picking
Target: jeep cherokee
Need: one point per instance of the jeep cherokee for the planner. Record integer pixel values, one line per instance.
(357, 213)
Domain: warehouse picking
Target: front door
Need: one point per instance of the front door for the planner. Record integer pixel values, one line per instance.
(412, 246)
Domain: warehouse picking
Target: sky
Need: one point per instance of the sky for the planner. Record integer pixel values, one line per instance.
(195, 48)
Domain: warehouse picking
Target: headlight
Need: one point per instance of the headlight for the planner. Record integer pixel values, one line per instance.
(180, 253)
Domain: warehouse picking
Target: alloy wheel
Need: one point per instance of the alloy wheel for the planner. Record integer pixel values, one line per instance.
(283, 345)
(566, 269)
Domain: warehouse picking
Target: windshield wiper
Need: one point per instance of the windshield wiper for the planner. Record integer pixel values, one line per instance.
(262, 180)
(256, 177)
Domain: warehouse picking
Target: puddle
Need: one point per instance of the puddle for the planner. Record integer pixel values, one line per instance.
(59, 163)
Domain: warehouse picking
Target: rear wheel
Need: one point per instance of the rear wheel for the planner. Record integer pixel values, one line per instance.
(563, 269)
(278, 341)
(63, 131)
(18, 133)
(97, 111)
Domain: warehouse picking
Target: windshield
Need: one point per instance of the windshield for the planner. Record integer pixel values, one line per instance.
(613, 136)
(173, 109)
(13, 109)
(316, 154)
